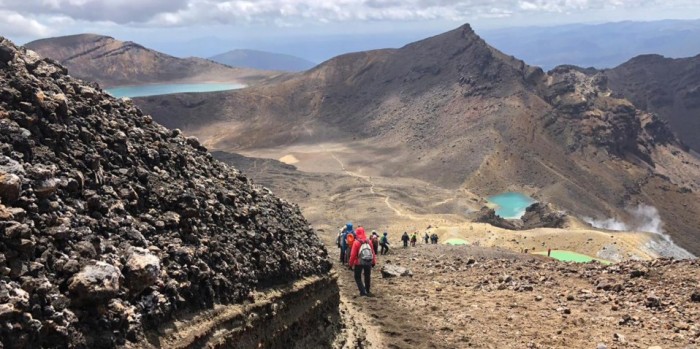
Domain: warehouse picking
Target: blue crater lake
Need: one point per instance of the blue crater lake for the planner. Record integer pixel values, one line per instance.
(164, 89)
(511, 205)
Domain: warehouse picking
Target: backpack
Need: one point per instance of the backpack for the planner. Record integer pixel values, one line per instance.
(384, 240)
(365, 256)
(349, 239)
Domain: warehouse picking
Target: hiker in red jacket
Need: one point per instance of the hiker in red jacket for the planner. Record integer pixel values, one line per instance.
(362, 258)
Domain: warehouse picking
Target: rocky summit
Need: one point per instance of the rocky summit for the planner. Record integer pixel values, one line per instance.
(112, 225)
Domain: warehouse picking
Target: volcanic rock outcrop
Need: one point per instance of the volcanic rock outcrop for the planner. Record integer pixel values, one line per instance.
(537, 215)
(112, 227)
(666, 86)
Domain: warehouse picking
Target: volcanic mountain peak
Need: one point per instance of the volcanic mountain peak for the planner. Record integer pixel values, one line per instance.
(111, 62)
(459, 56)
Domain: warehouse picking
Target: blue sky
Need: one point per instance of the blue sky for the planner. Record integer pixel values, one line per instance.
(315, 29)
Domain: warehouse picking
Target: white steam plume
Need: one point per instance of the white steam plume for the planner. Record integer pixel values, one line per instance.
(645, 218)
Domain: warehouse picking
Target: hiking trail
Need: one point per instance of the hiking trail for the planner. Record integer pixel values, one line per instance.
(368, 179)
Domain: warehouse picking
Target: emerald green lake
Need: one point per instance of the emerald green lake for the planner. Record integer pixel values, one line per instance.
(569, 256)
(164, 89)
(511, 205)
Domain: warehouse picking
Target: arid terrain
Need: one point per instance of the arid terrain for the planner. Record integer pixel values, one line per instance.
(402, 133)
(472, 297)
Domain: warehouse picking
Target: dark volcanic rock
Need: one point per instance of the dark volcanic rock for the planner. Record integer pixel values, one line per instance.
(111, 224)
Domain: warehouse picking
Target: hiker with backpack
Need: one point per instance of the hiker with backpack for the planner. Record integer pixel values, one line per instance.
(362, 259)
(344, 253)
(384, 242)
(414, 239)
(375, 241)
(405, 239)
(426, 237)
(349, 241)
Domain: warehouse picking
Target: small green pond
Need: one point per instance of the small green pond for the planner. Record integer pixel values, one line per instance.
(569, 256)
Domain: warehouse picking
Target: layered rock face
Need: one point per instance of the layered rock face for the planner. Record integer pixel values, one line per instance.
(111, 225)
(588, 114)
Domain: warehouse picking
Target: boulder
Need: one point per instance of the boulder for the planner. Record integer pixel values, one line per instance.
(95, 282)
(142, 270)
(10, 187)
(390, 271)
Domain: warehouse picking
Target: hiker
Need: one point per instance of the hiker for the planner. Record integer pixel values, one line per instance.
(384, 241)
(405, 239)
(414, 239)
(362, 259)
(349, 241)
(375, 241)
(338, 242)
(435, 238)
(426, 237)
(344, 253)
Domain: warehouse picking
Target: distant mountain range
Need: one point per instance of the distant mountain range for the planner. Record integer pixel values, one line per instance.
(455, 112)
(263, 60)
(597, 45)
(111, 62)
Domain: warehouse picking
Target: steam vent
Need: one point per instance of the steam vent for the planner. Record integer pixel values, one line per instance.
(117, 232)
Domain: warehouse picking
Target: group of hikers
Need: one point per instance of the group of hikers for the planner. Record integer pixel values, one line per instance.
(359, 252)
(413, 239)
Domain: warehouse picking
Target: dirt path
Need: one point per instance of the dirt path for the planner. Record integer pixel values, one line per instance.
(387, 202)
(385, 322)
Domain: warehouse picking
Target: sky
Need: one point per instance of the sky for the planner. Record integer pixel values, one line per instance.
(312, 29)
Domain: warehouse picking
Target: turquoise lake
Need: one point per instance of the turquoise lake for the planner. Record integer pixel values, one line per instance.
(511, 205)
(164, 89)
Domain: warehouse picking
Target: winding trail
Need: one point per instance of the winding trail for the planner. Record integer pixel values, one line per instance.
(396, 210)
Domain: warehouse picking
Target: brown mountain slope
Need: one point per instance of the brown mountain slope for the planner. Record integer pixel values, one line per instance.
(456, 113)
(666, 86)
(112, 62)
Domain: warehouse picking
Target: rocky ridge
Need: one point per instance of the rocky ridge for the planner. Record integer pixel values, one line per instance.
(112, 62)
(591, 115)
(111, 224)
(666, 86)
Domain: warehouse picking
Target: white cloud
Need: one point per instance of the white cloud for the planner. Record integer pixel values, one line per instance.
(15, 24)
(299, 12)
